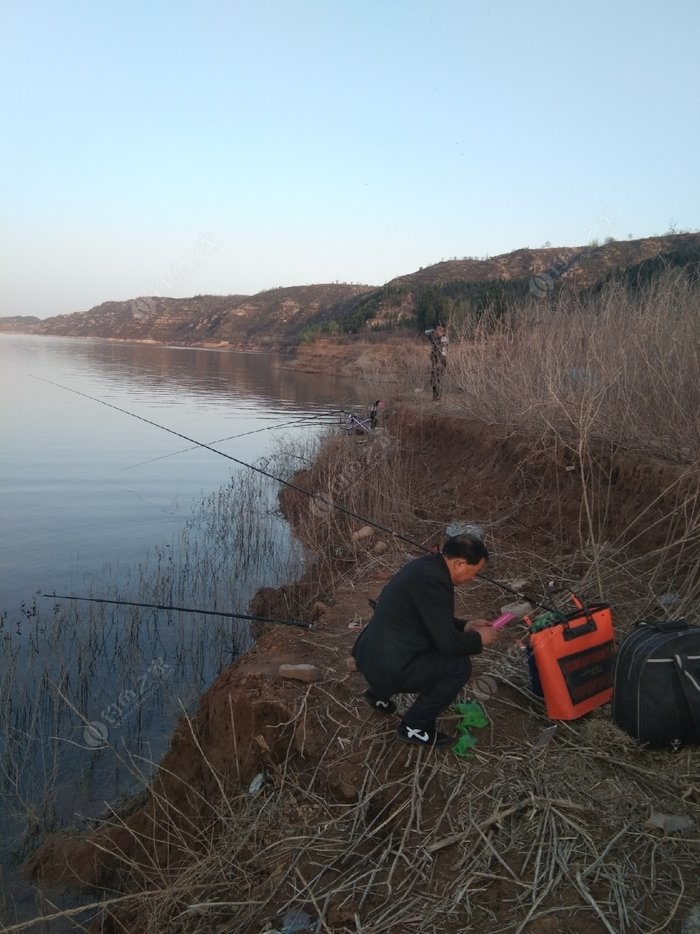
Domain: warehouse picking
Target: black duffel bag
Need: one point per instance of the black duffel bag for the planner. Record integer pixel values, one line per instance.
(656, 684)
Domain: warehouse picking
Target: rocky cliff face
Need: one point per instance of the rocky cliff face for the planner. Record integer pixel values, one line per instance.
(22, 324)
(266, 319)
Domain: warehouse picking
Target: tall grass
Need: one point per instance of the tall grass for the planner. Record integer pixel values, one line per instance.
(592, 379)
(619, 366)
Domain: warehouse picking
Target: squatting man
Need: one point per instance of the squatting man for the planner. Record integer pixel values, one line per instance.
(413, 643)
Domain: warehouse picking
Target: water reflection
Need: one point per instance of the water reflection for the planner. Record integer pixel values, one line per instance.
(85, 486)
(229, 375)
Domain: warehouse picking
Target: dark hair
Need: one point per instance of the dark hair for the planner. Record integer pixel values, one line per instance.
(469, 547)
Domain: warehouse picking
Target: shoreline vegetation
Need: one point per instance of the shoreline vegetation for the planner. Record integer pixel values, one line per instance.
(569, 431)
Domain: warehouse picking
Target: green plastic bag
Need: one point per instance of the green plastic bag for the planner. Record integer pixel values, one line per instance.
(471, 715)
(464, 744)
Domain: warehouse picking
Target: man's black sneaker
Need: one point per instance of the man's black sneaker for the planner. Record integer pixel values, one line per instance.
(386, 707)
(415, 736)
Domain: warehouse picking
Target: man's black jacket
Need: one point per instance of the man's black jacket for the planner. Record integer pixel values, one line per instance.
(414, 618)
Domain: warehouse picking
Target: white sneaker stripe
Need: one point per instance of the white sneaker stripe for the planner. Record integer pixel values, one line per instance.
(417, 734)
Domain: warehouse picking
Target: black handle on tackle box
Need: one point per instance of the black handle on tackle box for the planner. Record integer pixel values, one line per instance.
(575, 632)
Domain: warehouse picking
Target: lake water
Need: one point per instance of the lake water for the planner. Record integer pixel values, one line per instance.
(83, 485)
(96, 503)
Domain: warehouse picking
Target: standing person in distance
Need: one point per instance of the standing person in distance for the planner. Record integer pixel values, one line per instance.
(438, 357)
(414, 644)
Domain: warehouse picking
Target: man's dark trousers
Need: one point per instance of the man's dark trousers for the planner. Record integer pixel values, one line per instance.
(437, 680)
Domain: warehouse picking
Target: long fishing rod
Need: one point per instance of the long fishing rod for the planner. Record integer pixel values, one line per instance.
(292, 486)
(183, 609)
(304, 420)
(237, 460)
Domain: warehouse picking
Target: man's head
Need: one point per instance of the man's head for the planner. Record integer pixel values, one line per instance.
(465, 556)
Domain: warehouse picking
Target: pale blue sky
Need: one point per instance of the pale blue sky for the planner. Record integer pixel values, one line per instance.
(319, 140)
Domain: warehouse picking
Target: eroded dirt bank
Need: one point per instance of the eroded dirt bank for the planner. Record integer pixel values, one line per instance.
(357, 357)
(528, 834)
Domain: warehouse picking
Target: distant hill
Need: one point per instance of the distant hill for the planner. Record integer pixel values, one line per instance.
(597, 261)
(463, 286)
(269, 319)
(22, 323)
(285, 317)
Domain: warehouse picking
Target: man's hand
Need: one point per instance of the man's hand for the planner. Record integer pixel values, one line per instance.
(485, 630)
(475, 624)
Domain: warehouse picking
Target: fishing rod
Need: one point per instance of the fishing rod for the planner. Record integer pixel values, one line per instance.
(304, 420)
(519, 593)
(237, 460)
(182, 609)
(292, 486)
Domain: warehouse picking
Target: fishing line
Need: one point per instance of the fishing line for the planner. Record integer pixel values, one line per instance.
(182, 609)
(292, 486)
(236, 460)
(300, 421)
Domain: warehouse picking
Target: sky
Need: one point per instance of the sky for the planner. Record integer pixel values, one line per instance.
(164, 147)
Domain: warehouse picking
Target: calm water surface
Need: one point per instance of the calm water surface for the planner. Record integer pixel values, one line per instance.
(83, 486)
(94, 502)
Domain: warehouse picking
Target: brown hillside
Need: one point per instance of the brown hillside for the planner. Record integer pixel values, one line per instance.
(22, 324)
(596, 263)
(250, 322)
(280, 318)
